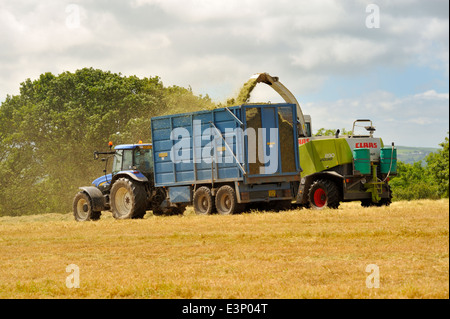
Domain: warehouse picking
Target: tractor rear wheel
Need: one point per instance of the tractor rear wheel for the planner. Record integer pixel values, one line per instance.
(82, 208)
(128, 199)
(323, 193)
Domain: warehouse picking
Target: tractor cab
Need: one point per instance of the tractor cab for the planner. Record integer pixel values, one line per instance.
(136, 157)
(134, 160)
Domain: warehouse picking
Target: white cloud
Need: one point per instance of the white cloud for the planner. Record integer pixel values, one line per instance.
(215, 46)
(413, 120)
(433, 95)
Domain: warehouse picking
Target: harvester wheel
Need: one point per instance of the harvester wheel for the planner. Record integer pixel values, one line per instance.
(82, 208)
(128, 199)
(367, 202)
(387, 201)
(323, 193)
(203, 201)
(226, 202)
(383, 202)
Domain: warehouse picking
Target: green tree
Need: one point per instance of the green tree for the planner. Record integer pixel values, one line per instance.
(330, 132)
(413, 181)
(438, 165)
(49, 131)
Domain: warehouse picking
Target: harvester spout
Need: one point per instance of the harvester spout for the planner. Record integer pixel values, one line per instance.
(274, 82)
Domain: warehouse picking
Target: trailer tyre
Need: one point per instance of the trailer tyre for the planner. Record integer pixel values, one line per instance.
(82, 208)
(203, 201)
(226, 202)
(128, 199)
(323, 193)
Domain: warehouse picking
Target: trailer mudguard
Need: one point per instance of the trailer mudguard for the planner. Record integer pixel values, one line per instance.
(96, 196)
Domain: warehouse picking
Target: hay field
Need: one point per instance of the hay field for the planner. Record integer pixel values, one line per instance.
(293, 254)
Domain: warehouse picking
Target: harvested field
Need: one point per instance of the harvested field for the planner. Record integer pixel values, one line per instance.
(293, 254)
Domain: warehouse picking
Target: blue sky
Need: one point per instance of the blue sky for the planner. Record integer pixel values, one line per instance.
(332, 55)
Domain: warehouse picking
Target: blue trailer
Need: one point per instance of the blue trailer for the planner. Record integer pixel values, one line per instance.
(225, 158)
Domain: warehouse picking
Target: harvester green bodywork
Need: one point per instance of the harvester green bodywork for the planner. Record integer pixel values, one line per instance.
(325, 155)
(320, 155)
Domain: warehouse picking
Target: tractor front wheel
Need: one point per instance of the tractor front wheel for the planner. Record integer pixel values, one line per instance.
(82, 208)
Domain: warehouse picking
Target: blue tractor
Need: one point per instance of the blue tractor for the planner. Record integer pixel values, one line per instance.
(128, 191)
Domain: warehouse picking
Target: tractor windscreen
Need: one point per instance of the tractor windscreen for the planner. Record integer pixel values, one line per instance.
(143, 160)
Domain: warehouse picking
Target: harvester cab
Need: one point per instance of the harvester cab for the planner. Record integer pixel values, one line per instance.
(369, 128)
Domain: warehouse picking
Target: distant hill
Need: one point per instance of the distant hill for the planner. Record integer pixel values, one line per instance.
(411, 155)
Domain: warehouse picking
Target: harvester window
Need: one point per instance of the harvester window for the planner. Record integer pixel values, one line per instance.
(308, 129)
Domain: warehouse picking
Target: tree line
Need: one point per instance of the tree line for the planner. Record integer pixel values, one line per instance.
(417, 181)
(48, 133)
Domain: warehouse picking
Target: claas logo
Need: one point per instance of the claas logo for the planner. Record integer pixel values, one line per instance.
(366, 145)
(302, 141)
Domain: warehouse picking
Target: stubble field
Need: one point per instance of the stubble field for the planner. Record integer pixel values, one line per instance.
(294, 254)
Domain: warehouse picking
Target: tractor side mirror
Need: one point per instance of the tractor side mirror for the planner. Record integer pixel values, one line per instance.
(96, 155)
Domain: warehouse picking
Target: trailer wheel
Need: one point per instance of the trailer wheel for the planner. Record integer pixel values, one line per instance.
(203, 201)
(82, 208)
(226, 202)
(128, 199)
(323, 193)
